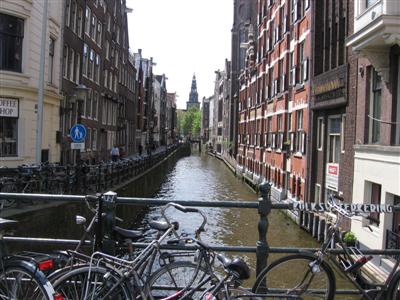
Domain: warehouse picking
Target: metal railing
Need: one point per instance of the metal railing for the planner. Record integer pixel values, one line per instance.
(78, 179)
(264, 205)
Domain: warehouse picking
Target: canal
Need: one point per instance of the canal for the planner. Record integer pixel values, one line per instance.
(197, 177)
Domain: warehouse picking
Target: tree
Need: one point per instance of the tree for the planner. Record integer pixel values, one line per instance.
(189, 122)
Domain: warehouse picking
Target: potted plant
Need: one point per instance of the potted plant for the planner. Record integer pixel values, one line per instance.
(350, 239)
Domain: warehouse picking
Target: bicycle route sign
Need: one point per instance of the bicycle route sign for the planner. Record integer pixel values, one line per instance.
(78, 133)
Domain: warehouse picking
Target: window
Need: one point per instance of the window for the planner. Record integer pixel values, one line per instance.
(95, 104)
(11, 36)
(109, 23)
(99, 30)
(85, 60)
(375, 108)
(96, 73)
(320, 133)
(369, 3)
(79, 21)
(107, 50)
(77, 67)
(73, 16)
(8, 136)
(299, 120)
(87, 23)
(91, 64)
(317, 193)
(300, 135)
(65, 61)
(293, 11)
(334, 147)
(292, 68)
(375, 199)
(88, 106)
(303, 76)
(67, 12)
(71, 58)
(290, 122)
(51, 60)
(93, 25)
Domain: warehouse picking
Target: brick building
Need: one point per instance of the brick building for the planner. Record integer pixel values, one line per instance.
(274, 98)
(333, 103)
(95, 53)
(244, 14)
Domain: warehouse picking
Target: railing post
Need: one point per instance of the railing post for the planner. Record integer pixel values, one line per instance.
(108, 222)
(264, 208)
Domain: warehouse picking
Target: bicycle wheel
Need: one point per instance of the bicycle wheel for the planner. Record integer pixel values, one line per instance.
(394, 288)
(176, 276)
(292, 275)
(91, 283)
(22, 280)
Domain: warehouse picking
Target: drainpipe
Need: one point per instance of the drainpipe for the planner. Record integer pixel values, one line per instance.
(39, 116)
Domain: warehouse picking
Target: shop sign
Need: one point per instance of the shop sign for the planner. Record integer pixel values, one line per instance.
(9, 107)
(332, 177)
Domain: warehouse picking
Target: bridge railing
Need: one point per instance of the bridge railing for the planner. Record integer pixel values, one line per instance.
(264, 205)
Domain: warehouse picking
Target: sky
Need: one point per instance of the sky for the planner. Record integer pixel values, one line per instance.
(183, 37)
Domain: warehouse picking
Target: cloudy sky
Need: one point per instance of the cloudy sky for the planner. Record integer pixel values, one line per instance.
(183, 37)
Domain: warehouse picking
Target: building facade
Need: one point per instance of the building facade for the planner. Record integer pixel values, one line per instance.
(377, 134)
(333, 102)
(274, 98)
(20, 47)
(171, 119)
(244, 14)
(205, 120)
(95, 54)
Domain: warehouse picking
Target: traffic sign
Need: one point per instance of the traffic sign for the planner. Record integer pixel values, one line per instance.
(78, 133)
(77, 146)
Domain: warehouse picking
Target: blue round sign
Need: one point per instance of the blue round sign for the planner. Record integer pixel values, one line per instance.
(78, 133)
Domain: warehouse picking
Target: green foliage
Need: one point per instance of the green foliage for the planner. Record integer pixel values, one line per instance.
(349, 237)
(189, 122)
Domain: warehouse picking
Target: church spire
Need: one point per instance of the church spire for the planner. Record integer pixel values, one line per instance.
(193, 96)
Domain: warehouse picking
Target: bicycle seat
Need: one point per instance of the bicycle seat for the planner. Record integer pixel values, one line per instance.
(236, 267)
(126, 233)
(5, 224)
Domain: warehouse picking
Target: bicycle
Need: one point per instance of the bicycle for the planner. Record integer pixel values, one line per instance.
(20, 276)
(309, 275)
(111, 277)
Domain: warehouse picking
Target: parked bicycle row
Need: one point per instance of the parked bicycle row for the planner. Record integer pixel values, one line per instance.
(80, 179)
(155, 273)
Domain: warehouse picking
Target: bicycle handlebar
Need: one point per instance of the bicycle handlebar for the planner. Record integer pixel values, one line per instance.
(185, 209)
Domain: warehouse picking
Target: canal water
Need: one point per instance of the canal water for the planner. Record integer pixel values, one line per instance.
(197, 177)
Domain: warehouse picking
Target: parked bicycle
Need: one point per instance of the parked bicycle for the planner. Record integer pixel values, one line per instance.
(111, 277)
(309, 276)
(20, 276)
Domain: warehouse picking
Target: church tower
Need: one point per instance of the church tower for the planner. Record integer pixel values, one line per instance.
(193, 96)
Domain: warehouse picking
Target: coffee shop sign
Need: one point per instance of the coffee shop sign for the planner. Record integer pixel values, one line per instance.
(9, 107)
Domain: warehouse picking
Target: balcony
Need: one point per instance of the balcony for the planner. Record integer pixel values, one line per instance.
(376, 29)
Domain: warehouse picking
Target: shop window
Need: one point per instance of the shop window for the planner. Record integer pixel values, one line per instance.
(8, 136)
(11, 36)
